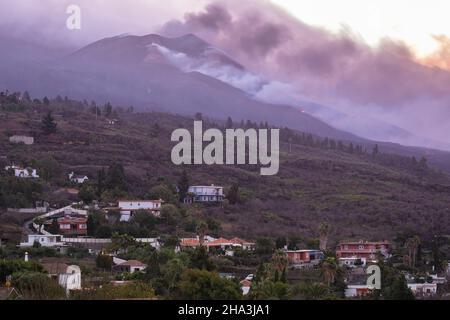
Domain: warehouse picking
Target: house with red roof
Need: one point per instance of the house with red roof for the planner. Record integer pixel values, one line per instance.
(130, 266)
(304, 258)
(73, 225)
(363, 250)
(221, 243)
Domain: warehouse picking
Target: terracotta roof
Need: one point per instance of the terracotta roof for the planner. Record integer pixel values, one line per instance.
(363, 242)
(219, 242)
(190, 242)
(301, 251)
(241, 241)
(133, 263)
(194, 242)
(72, 220)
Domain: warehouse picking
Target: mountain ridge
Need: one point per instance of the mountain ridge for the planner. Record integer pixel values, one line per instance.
(150, 86)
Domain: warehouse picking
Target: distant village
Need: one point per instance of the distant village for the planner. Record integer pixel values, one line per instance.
(353, 257)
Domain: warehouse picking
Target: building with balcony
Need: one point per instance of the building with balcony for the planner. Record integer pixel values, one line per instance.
(363, 250)
(205, 194)
(129, 207)
(76, 226)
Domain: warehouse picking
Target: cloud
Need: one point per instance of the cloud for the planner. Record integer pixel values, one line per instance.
(441, 57)
(45, 21)
(387, 82)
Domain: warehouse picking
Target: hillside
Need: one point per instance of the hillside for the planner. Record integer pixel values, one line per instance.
(360, 195)
(133, 70)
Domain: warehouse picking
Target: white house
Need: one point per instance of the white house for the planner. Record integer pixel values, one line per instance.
(50, 241)
(423, 289)
(21, 139)
(80, 179)
(112, 122)
(130, 266)
(129, 207)
(438, 280)
(245, 286)
(71, 279)
(352, 262)
(205, 194)
(23, 172)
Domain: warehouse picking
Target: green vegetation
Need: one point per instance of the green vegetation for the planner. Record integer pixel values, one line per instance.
(205, 285)
(326, 191)
(37, 286)
(48, 122)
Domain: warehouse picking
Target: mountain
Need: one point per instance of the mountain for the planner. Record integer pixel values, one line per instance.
(368, 127)
(181, 75)
(132, 70)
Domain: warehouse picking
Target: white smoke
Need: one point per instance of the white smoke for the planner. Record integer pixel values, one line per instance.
(208, 65)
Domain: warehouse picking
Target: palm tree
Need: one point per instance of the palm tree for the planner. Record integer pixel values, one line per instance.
(280, 261)
(412, 244)
(311, 291)
(329, 270)
(202, 229)
(324, 231)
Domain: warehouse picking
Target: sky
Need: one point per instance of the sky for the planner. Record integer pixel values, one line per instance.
(413, 21)
(416, 22)
(384, 59)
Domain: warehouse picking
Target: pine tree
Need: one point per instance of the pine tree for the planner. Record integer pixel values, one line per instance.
(351, 148)
(101, 179)
(46, 101)
(115, 178)
(229, 124)
(233, 194)
(198, 116)
(423, 163)
(107, 109)
(155, 130)
(183, 185)
(376, 150)
(26, 96)
(48, 124)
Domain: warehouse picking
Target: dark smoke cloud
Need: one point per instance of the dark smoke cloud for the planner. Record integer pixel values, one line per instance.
(387, 82)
